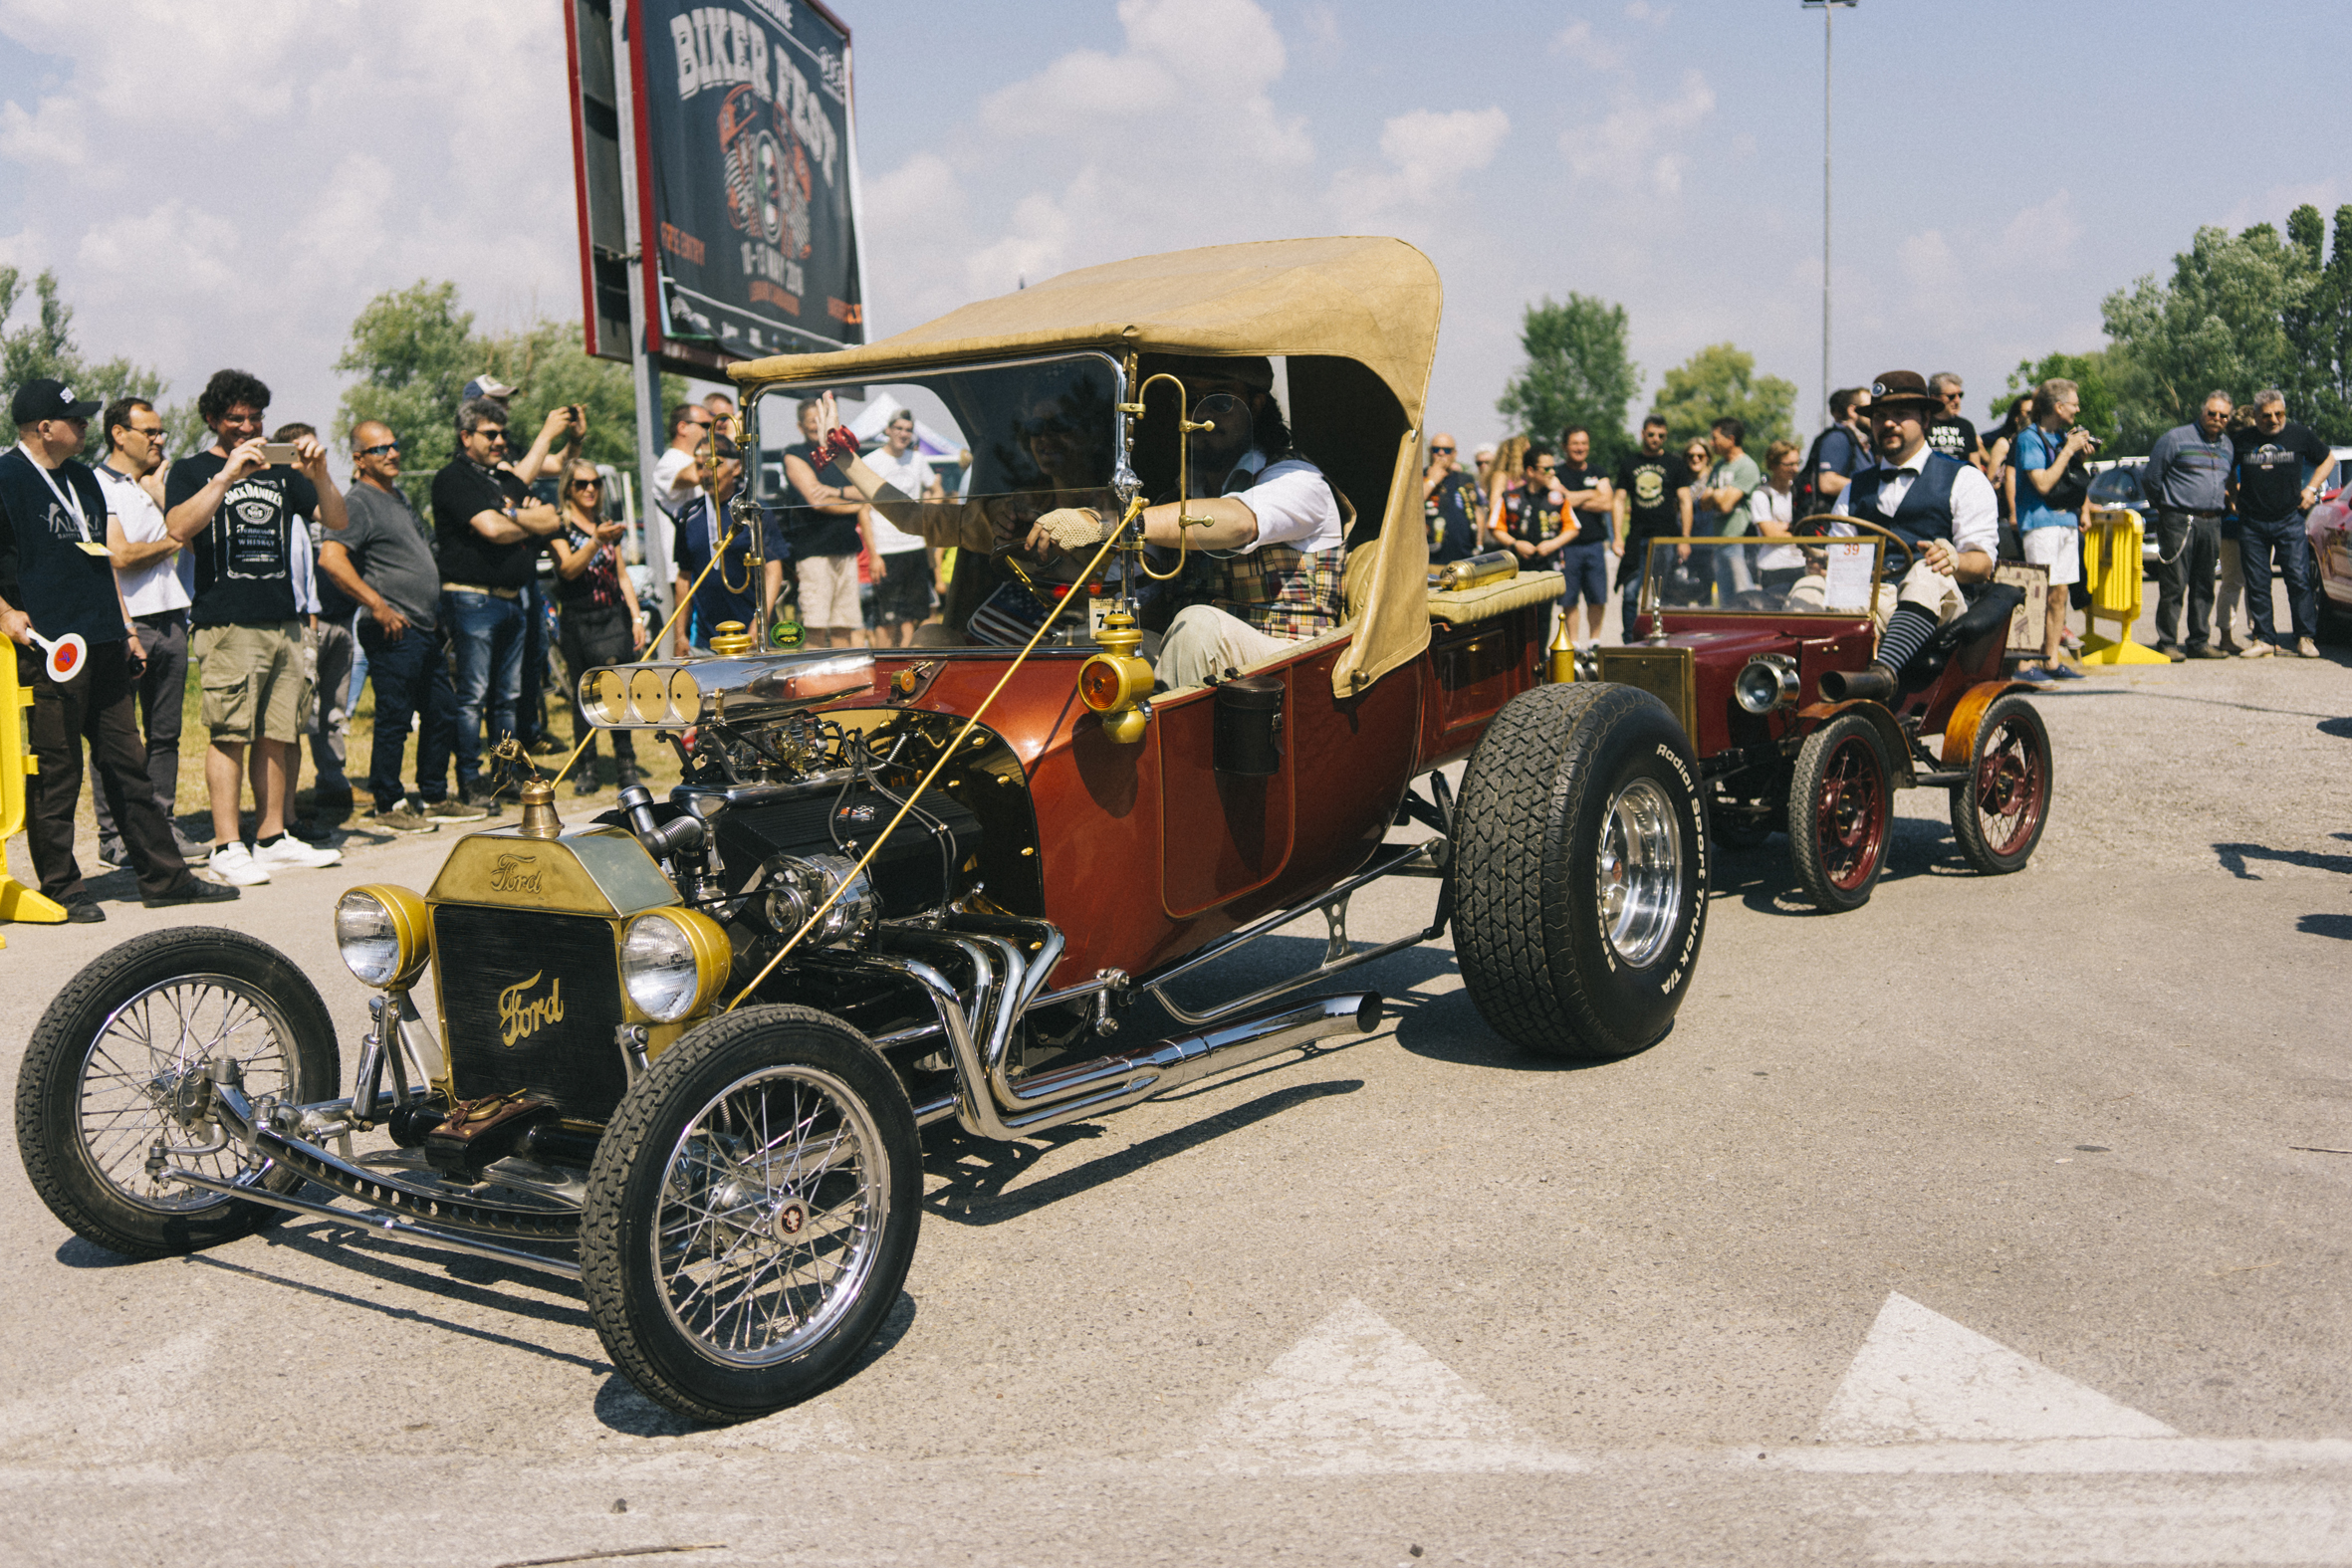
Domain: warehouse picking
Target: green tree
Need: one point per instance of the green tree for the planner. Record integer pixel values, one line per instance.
(1576, 373)
(2219, 324)
(412, 351)
(2317, 321)
(2092, 376)
(43, 346)
(1719, 383)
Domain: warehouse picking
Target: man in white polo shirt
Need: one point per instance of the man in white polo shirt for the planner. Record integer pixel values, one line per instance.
(152, 571)
(902, 560)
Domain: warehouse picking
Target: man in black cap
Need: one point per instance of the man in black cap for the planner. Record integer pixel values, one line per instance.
(53, 553)
(1942, 508)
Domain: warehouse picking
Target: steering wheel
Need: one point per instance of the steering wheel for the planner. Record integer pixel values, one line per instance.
(1816, 526)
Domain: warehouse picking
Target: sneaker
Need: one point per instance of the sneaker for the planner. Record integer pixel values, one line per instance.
(2031, 674)
(84, 911)
(481, 805)
(2258, 650)
(235, 865)
(398, 820)
(458, 810)
(2206, 651)
(194, 851)
(191, 890)
(290, 853)
(2172, 651)
(2066, 672)
(2307, 649)
(309, 830)
(112, 854)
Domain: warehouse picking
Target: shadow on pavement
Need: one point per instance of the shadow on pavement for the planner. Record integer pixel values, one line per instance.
(2234, 856)
(975, 1171)
(1764, 879)
(2337, 926)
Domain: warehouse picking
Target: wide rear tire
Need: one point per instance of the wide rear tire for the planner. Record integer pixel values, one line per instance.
(751, 1213)
(1580, 871)
(117, 1062)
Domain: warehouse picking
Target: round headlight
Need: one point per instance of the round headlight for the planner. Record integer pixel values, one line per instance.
(672, 962)
(383, 935)
(1762, 685)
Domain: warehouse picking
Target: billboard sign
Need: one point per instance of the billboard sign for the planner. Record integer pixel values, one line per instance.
(747, 179)
(750, 205)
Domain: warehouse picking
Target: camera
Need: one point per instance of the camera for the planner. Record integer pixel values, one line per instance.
(2091, 443)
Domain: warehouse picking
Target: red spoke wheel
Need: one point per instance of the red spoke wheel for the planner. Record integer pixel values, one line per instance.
(1998, 815)
(1840, 807)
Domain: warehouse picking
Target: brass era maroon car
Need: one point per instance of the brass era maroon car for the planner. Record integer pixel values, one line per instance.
(684, 1051)
(1751, 643)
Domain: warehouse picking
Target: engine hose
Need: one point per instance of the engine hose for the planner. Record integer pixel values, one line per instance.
(946, 754)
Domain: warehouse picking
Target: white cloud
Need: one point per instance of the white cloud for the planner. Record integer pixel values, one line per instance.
(216, 194)
(1321, 22)
(1429, 151)
(2041, 235)
(1578, 42)
(1639, 141)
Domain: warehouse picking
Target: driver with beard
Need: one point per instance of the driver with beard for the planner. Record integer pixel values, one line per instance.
(1271, 527)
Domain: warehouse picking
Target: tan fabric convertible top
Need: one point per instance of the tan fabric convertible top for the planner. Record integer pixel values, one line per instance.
(1370, 300)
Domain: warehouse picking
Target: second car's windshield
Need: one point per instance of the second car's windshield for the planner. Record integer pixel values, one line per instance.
(1777, 576)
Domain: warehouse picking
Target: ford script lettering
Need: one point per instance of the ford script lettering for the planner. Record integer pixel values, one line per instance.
(515, 874)
(518, 1018)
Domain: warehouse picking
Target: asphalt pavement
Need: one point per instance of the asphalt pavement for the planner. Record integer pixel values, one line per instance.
(2002, 1220)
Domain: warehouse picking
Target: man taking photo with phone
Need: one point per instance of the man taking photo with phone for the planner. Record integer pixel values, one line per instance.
(236, 505)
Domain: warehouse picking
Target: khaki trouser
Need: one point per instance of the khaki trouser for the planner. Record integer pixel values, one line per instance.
(1203, 641)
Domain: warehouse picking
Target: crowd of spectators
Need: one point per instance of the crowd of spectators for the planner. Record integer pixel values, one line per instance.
(284, 598)
(2226, 496)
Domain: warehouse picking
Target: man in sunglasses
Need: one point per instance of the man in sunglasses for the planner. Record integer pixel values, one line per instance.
(491, 532)
(1954, 434)
(1449, 503)
(385, 561)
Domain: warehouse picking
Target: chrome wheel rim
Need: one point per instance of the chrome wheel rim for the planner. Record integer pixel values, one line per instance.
(1639, 872)
(772, 1213)
(141, 1077)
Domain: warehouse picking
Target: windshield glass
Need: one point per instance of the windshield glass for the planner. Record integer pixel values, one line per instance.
(2118, 487)
(1771, 577)
(1013, 439)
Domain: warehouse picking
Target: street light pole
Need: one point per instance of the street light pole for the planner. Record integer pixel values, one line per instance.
(1827, 8)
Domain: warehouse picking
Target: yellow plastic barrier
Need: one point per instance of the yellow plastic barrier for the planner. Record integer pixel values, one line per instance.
(2111, 568)
(17, 901)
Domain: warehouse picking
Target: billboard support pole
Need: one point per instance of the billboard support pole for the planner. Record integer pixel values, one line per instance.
(644, 373)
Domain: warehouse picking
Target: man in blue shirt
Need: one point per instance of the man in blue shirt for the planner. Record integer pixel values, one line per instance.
(2187, 481)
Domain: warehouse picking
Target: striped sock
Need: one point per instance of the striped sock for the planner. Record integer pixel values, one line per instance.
(1908, 631)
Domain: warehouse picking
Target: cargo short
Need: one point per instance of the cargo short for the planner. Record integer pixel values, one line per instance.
(253, 681)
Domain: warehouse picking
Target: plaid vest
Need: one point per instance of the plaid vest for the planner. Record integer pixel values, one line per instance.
(1288, 593)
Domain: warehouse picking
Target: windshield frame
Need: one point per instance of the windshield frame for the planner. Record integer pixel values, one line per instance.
(1122, 475)
(1650, 583)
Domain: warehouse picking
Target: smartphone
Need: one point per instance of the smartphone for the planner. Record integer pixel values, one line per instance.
(277, 454)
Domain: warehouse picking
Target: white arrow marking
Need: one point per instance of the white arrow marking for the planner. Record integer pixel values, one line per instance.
(1355, 1396)
(1921, 1378)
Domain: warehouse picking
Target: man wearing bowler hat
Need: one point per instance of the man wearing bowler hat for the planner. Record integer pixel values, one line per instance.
(53, 554)
(1942, 508)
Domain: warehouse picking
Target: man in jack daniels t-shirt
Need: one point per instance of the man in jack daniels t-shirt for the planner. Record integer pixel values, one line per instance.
(236, 511)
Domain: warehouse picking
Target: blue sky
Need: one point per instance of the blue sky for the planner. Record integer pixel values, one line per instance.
(211, 194)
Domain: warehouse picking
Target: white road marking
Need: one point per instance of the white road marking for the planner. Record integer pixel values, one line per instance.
(2149, 1522)
(1355, 1396)
(1921, 1377)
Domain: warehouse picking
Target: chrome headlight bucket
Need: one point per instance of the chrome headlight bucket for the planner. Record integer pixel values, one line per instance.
(384, 935)
(672, 963)
(1765, 682)
(796, 884)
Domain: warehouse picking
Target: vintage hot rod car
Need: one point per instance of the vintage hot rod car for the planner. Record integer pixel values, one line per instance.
(685, 1052)
(1754, 654)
